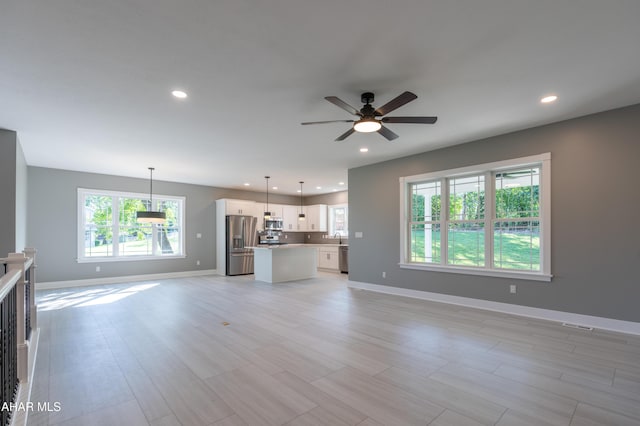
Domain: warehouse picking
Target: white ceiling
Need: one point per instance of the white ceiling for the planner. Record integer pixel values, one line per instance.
(86, 84)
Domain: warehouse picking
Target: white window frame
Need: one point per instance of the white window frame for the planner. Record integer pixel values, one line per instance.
(81, 226)
(331, 220)
(542, 160)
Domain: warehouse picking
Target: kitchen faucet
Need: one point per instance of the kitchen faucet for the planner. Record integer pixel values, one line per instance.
(339, 236)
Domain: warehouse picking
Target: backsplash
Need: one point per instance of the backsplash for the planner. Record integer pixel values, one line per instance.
(309, 238)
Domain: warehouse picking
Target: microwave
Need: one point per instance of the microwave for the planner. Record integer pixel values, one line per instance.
(273, 224)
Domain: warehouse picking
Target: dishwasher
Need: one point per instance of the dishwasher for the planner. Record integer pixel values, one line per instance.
(343, 259)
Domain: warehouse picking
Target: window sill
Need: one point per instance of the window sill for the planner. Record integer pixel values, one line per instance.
(126, 258)
(519, 275)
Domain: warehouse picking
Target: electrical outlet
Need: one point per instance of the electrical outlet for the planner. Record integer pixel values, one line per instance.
(512, 288)
(197, 263)
(384, 275)
(308, 236)
(198, 235)
(97, 269)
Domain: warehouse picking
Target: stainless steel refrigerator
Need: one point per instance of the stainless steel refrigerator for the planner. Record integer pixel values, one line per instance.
(240, 234)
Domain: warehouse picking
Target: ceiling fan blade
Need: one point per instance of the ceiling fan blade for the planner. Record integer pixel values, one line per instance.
(384, 131)
(345, 135)
(342, 104)
(325, 122)
(395, 103)
(418, 120)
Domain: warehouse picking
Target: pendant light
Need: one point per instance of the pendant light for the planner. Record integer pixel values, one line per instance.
(151, 216)
(301, 215)
(267, 213)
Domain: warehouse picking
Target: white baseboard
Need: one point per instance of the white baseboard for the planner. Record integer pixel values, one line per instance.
(123, 279)
(525, 311)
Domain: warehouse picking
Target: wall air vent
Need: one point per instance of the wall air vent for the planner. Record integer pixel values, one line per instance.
(578, 326)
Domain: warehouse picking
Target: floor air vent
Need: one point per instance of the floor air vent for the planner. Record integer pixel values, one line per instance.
(578, 326)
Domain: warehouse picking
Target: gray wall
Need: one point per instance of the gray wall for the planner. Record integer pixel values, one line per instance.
(52, 223)
(8, 150)
(21, 199)
(341, 197)
(595, 240)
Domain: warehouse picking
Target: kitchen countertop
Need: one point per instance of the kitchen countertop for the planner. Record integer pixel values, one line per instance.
(281, 246)
(295, 245)
(327, 245)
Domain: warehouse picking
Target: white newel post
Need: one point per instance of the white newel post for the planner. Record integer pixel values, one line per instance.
(17, 262)
(30, 252)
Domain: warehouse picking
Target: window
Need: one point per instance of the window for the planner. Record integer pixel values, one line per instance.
(108, 230)
(516, 227)
(495, 218)
(425, 222)
(339, 220)
(466, 221)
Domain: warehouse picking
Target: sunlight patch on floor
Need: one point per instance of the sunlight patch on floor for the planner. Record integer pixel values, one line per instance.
(89, 297)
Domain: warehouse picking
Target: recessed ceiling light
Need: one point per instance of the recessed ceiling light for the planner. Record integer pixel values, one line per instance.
(364, 149)
(299, 190)
(179, 94)
(246, 184)
(340, 183)
(548, 99)
(334, 190)
(275, 187)
(318, 187)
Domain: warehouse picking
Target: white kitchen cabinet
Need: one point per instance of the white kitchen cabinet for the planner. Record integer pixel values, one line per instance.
(290, 221)
(238, 207)
(315, 215)
(328, 258)
(316, 218)
(275, 209)
(230, 206)
(285, 263)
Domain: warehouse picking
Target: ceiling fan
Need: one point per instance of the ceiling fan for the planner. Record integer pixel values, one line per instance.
(371, 119)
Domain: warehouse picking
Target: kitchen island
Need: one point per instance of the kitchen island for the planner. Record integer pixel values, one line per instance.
(280, 263)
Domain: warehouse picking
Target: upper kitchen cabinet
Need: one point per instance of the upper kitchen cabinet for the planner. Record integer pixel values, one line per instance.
(290, 219)
(237, 207)
(316, 218)
(275, 209)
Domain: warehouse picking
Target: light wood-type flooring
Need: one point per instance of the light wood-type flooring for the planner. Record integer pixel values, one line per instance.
(229, 351)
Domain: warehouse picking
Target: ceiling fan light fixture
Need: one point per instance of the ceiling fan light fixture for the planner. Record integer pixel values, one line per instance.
(367, 125)
(370, 119)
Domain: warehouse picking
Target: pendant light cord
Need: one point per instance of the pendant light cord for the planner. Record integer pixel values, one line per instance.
(301, 214)
(301, 196)
(267, 178)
